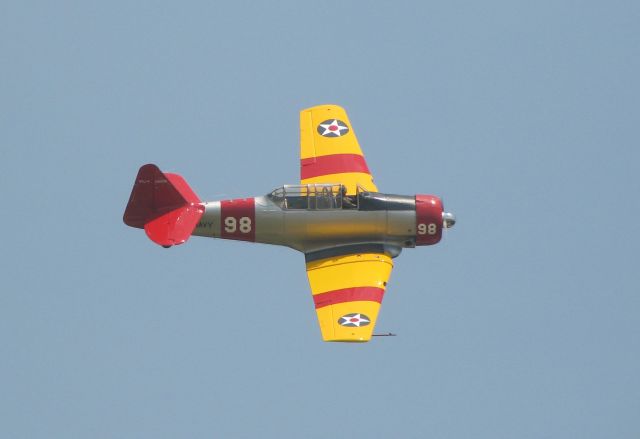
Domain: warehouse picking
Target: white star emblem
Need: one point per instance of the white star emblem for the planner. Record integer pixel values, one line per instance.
(356, 320)
(333, 128)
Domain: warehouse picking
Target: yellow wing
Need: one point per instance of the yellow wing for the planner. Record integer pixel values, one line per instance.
(329, 150)
(347, 292)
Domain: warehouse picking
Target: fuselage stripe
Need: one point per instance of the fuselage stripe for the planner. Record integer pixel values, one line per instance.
(238, 219)
(332, 164)
(371, 294)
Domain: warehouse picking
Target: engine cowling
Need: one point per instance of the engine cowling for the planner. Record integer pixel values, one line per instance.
(429, 219)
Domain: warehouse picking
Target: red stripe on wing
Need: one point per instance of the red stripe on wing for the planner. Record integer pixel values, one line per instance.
(332, 164)
(371, 294)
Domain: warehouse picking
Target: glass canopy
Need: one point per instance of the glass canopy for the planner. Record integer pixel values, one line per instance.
(308, 196)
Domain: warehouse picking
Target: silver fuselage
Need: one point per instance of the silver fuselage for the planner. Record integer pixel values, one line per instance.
(315, 230)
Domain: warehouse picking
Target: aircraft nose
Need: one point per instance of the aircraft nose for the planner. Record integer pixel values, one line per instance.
(448, 219)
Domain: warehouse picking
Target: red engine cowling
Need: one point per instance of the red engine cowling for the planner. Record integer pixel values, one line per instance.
(428, 219)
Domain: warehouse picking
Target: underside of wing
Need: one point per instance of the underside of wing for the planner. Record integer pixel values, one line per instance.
(329, 150)
(347, 293)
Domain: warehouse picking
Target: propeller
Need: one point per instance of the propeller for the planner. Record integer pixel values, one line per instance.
(448, 220)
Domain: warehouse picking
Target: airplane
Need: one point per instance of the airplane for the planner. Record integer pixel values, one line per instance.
(348, 231)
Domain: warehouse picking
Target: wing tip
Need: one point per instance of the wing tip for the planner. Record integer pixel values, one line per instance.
(325, 107)
(338, 340)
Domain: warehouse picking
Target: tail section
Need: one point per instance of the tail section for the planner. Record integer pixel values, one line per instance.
(164, 206)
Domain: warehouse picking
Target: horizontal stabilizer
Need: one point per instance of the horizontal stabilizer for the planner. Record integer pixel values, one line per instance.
(163, 205)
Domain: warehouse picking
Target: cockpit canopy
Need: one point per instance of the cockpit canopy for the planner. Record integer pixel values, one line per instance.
(309, 196)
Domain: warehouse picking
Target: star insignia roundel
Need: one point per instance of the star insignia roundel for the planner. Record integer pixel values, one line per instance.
(354, 320)
(333, 128)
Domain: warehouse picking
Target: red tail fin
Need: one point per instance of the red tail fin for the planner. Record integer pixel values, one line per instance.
(164, 205)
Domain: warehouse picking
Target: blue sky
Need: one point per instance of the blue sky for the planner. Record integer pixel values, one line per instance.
(523, 322)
